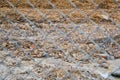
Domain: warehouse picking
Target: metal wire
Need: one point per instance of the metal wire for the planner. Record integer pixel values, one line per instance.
(59, 40)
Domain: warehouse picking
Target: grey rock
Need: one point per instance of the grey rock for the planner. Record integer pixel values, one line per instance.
(116, 73)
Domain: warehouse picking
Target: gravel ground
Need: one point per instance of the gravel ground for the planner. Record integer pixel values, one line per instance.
(57, 51)
(20, 53)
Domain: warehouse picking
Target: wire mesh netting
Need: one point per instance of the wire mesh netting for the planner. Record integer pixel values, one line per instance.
(59, 39)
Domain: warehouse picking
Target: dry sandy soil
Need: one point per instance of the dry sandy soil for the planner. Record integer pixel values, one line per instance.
(46, 44)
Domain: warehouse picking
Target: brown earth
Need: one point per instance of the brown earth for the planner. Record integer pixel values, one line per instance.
(62, 4)
(71, 15)
(26, 43)
(84, 9)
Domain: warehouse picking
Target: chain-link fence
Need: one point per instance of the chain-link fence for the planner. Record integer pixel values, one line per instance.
(59, 39)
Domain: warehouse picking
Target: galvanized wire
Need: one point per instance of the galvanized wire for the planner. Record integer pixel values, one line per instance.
(57, 48)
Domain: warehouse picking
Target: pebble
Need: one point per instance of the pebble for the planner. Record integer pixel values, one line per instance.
(104, 65)
(117, 55)
(116, 74)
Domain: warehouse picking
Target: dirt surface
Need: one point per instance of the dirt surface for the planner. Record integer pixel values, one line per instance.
(62, 4)
(44, 44)
(31, 48)
(62, 15)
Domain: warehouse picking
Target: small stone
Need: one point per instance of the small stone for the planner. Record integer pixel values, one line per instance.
(4, 44)
(105, 56)
(105, 17)
(104, 65)
(116, 74)
(117, 55)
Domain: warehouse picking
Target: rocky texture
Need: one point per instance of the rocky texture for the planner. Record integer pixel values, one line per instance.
(116, 73)
(62, 4)
(39, 49)
(50, 68)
